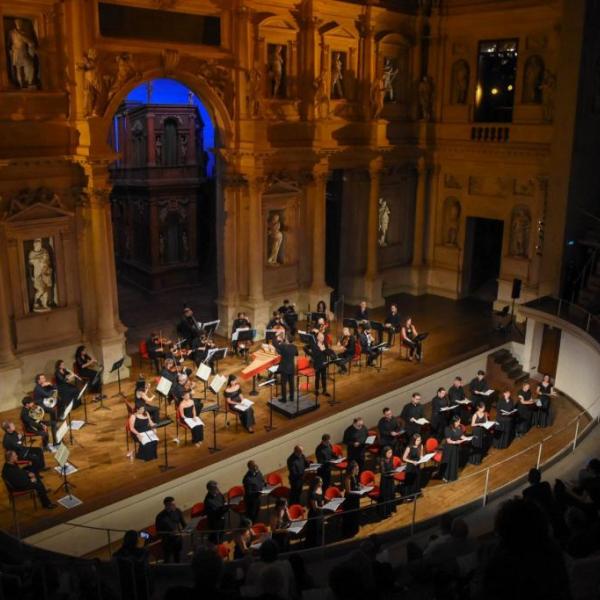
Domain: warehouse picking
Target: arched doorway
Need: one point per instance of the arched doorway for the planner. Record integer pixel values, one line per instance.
(163, 205)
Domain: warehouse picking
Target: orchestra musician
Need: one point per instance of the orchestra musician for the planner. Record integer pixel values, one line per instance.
(31, 425)
(65, 384)
(393, 323)
(362, 312)
(13, 440)
(322, 310)
(156, 349)
(287, 366)
(233, 397)
(205, 344)
(20, 480)
(140, 423)
(389, 430)
(348, 343)
(169, 370)
(44, 396)
(289, 315)
(187, 413)
(411, 413)
(188, 328)
(85, 363)
(321, 326)
(408, 339)
(366, 342)
(143, 400)
(241, 324)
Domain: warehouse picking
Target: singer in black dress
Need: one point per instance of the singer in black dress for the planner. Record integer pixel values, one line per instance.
(526, 407)
(409, 339)
(233, 396)
(480, 441)
(351, 514)
(412, 454)
(387, 483)
(187, 410)
(139, 423)
(316, 501)
(504, 431)
(453, 438)
(544, 391)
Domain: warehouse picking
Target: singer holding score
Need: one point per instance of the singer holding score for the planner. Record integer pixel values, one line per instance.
(142, 426)
(236, 402)
(187, 414)
(454, 438)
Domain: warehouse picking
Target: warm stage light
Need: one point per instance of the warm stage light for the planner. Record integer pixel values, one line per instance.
(510, 88)
(494, 91)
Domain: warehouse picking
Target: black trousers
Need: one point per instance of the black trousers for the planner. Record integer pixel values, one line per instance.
(321, 376)
(252, 506)
(35, 456)
(324, 473)
(171, 548)
(287, 380)
(295, 490)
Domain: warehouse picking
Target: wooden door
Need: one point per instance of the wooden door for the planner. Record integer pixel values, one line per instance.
(549, 351)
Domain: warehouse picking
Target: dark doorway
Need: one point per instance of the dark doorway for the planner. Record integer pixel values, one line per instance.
(496, 72)
(549, 351)
(483, 253)
(333, 228)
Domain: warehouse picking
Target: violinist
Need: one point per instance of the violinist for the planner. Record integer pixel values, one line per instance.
(362, 312)
(186, 386)
(366, 344)
(321, 326)
(156, 349)
(201, 355)
(144, 400)
(347, 344)
(169, 370)
(289, 315)
(85, 368)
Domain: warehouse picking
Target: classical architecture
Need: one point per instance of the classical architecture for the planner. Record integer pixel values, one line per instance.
(448, 113)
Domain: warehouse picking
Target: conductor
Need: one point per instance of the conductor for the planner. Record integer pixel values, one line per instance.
(287, 366)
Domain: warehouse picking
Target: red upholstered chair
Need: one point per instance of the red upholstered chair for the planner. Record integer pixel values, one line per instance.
(304, 369)
(432, 445)
(374, 449)
(281, 491)
(259, 529)
(223, 551)
(355, 360)
(143, 351)
(197, 510)
(235, 497)
(297, 512)
(368, 478)
(29, 435)
(396, 462)
(14, 494)
(334, 492)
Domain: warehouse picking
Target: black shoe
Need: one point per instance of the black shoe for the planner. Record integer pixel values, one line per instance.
(50, 506)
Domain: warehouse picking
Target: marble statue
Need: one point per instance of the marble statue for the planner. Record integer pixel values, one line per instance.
(532, 79)
(548, 87)
(460, 82)
(276, 67)
(519, 232)
(92, 88)
(22, 55)
(389, 76)
(337, 76)
(452, 222)
(377, 96)
(41, 276)
(322, 108)
(275, 239)
(425, 91)
(125, 70)
(384, 222)
(254, 93)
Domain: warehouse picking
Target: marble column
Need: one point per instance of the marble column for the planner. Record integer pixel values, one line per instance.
(421, 198)
(7, 356)
(316, 198)
(372, 280)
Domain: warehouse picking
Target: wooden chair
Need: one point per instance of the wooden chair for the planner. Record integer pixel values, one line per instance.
(305, 370)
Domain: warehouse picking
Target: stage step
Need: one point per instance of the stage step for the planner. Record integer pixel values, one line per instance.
(504, 368)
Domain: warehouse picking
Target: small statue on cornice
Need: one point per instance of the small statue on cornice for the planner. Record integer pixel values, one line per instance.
(377, 96)
(254, 95)
(125, 71)
(92, 83)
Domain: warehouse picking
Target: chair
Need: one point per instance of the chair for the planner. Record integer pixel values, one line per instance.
(432, 445)
(235, 497)
(338, 451)
(29, 435)
(130, 435)
(198, 511)
(259, 529)
(223, 551)
(368, 478)
(180, 422)
(305, 370)
(144, 356)
(356, 359)
(396, 462)
(14, 494)
(374, 449)
(331, 493)
(297, 512)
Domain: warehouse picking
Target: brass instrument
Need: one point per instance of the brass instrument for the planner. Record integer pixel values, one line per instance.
(50, 402)
(36, 413)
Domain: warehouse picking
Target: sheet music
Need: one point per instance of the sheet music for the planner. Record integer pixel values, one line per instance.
(507, 413)
(487, 392)
(364, 489)
(244, 405)
(62, 431)
(445, 408)
(67, 410)
(426, 458)
(421, 421)
(203, 372)
(465, 401)
(297, 526)
(370, 440)
(234, 337)
(333, 504)
(148, 436)
(268, 489)
(191, 423)
(335, 461)
(487, 424)
(313, 467)
(164, 386)
(61, 455)
(218, 381)
(400, 469)
(538, 403)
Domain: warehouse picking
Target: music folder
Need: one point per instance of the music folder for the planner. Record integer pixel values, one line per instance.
(164, 386)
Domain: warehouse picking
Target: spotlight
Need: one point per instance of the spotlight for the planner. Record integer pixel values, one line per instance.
(494, 91)
(510, 88)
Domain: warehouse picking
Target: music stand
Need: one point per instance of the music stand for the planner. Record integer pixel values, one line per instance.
(203, 373)
(270, 335)
(210, 327)
(270, 382)
(216, 354)
(332, 361)
(246, 335)
(214, 410)
(62, 458)
(116, 367)
(166, 466)
(351, 324)
(82, 398)
(421, 338)
(378, 327)
(307, 338)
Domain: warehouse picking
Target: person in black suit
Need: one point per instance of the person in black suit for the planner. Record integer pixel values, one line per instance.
(389, 430)
(44, 391)
(20, 480)
(253, 483)
(393, 323)
(189, 329)
(440, 419)
(355, 437)
(215, 509)
(31, 425)
(287, 367)
(323, 454)
(362, 312)
(289, 315)
(13, 440)
(169, 523)
(539, 491)
(366, 341)
(296, 464)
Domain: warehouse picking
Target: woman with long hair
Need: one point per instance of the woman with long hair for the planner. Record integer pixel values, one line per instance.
(234, 398)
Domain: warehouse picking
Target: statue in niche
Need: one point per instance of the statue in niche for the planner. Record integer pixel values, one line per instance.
(519, 232)
(22, 54)
(41, 274)
(125, 70)
(337, 74)
(158, 149)
(390, 72)
(276, 70)
(548, 88)
(384, 222)
(532, 80)
(275, 239)
(92, 83)
(322, 108)
(254, 98)
(451, 221)
(425, 92)
(377, 96)
(460, 82)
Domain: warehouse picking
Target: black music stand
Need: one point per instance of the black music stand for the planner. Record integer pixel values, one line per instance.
(421, 338)
(270, 382)
(83, 398)
(378, 327)
(165, 466)
(333, 361)
(214, 448)
(210, 328)
(270, 335)
(246, 335)
(216, 354)
(307, 338)
(116, 367)
(351, 324)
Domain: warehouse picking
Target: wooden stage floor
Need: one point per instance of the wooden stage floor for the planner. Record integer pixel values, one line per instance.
(106, 475)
